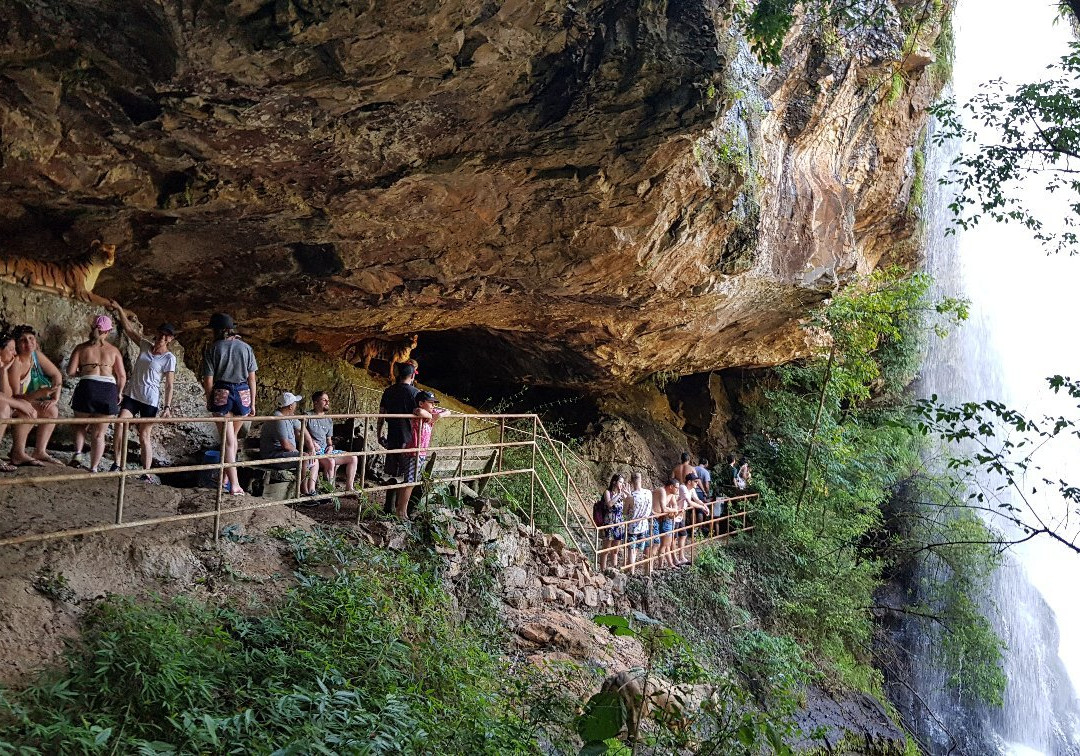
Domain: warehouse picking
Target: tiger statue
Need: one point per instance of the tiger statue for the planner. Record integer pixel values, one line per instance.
(394, 351)
(676, 703)
(73, 279)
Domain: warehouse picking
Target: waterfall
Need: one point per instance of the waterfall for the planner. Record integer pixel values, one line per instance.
(1019, 332)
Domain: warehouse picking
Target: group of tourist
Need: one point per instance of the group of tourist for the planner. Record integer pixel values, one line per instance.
(656, 526)
(30, 385)
(283, 439)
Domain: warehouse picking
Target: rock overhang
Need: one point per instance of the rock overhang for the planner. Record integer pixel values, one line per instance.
(603, 188)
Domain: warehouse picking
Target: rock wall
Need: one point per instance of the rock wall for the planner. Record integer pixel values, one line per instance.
(588, 192)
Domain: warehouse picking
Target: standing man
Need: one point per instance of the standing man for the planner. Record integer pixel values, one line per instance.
(704, 477)
(640, 531)
(228, 378)
(399, 399)
(143, 397)
(100, 368)
(321, 429)
(37, 380)
(682, 469)
(280, 439)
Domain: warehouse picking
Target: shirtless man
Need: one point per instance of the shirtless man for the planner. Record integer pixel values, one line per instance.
(689, 504)
(9, 405)
(34, 379)
(682, 469)
(664, 508)
(100, 368)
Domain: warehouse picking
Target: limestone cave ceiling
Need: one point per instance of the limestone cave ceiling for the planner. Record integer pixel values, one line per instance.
(608, 188)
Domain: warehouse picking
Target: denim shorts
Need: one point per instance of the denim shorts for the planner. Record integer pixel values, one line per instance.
(230, 399)
(666, 527)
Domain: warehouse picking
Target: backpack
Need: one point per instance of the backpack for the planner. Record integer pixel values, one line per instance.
(599, 511)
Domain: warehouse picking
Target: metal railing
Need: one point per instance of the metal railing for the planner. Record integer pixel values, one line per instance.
(304, 458)
(663, 545)
(550, 481)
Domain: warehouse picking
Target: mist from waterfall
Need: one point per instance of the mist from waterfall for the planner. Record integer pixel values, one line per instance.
(1020, 331)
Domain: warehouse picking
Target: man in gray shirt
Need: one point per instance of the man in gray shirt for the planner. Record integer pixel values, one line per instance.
(228, 378)
(278, 439)
(321, 429)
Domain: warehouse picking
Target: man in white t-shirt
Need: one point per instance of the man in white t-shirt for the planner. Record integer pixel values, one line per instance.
(641, 533)
(142, 392)
(281, 439)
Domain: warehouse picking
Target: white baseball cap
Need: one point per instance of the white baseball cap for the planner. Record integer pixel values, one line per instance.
(288, 398)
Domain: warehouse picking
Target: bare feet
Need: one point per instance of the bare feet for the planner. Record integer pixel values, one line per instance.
(6, 468)
(47, 459)
(24, 461)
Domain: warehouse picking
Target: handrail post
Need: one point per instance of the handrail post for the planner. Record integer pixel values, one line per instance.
(532, 478)
(300, 457)
(362, 461)
(221, 476)
(461, 456)
(596, 549)
(121, 484)
(502, 439)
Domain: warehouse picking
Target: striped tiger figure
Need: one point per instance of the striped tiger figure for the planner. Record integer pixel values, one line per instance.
(74, 279)
(393, 351)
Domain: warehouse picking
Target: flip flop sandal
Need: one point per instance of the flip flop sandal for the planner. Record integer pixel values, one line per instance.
(6, 468)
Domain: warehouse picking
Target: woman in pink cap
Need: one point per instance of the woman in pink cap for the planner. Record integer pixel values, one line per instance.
(100, 368)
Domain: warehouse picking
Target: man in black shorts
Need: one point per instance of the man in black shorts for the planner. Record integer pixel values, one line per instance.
(399, 399)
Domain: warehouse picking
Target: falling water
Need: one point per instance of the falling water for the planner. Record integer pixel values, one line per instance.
(1019, 332)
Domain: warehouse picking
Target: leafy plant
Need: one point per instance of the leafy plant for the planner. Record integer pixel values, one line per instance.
(53, 585)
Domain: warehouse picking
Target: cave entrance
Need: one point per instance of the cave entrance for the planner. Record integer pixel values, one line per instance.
(508, 372)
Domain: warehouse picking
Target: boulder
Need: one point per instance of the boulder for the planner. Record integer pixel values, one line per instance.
(591, 598)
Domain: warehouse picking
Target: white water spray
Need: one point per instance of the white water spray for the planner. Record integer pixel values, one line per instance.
(1020, 331)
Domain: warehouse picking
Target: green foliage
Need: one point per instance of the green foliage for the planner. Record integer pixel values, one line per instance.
(944, 51)
(53, 585)
(770, 662)
(831, 435)
(1035, 138)
(917, 197)
(1003, 442)
(956, 555)
(897, 85)
(769, 21)
(729, 721)
(365, 655)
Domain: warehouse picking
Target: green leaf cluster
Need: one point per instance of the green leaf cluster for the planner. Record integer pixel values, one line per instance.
(1035, 132)
(832, 439)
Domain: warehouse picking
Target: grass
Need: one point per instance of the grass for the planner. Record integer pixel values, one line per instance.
(365, 655)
